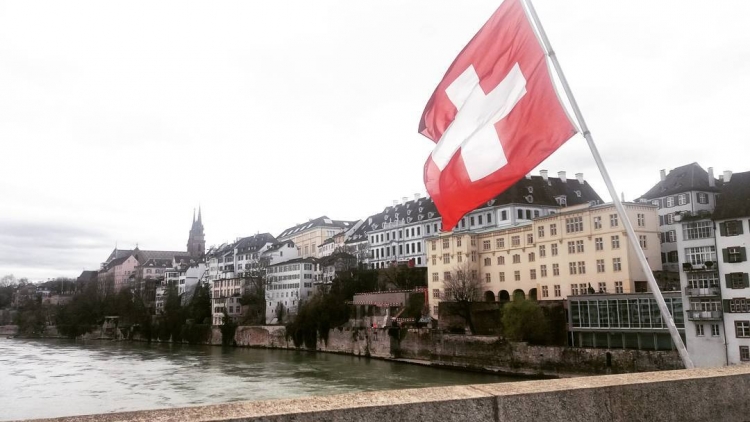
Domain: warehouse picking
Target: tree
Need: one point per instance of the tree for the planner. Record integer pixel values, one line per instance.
(402, 277)
(524, 320)
(199, 308)
(463, 286)
(254, 302)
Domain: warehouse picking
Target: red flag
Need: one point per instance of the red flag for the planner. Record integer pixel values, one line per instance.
(494, 116)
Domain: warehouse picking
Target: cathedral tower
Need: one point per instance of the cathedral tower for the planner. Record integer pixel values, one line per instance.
(196, 245)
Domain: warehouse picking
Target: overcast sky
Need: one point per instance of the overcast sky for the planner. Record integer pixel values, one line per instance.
(118, 118)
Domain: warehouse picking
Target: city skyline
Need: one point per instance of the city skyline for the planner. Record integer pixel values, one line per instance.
(115, 134)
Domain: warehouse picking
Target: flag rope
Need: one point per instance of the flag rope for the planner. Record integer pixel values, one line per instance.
(666, 316)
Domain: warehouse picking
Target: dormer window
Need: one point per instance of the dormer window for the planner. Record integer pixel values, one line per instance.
(562, 200)
(530, 189)
(578, 193)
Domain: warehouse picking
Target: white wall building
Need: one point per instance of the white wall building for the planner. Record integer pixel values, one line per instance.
(286, 284)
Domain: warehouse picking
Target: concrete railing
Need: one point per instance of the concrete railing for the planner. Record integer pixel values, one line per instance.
(685, 395)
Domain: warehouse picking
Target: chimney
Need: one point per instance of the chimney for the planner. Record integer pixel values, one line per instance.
(561, 175)
(663, 175)
(528, 176)
(579, 176)
(727, 176)
(544, 174)
(404, 199)
(711, 180)
(416, 196)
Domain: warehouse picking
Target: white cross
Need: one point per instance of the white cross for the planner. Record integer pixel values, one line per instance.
(473, 128)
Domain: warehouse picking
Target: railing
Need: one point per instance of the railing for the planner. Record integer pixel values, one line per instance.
(702, 291)
(703, 315)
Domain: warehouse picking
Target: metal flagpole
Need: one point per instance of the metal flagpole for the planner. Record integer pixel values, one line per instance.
(612, 192)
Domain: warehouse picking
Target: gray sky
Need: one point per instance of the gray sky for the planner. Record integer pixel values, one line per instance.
(117, 118)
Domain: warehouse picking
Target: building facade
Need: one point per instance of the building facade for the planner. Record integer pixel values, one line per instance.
(577, 250)
(308, 236)
(287, 284)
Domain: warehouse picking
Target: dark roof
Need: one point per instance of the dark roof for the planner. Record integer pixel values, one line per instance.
(143, 256)
(317, 222)
(334, 257)
(295, 261)
(118, 253)
(117, 261)
(279, 245)
(87, 276)
(690, 177)
(529, 190)
(734, 198)
(254, 243)
(157, 263)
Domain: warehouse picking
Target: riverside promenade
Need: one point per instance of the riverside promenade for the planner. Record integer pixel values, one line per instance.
(683, 395)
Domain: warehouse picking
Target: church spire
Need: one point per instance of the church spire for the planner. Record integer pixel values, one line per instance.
(199, 215)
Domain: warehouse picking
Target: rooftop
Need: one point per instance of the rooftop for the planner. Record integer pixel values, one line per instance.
(734, 199)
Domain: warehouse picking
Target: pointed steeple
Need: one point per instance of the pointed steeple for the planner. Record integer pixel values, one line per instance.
(199, 216)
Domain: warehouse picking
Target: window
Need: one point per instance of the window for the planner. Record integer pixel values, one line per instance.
(572, 268)
(471, 220)
(446, 258)
(599, 265)
(571, 247)
(459, 256)
(486, 245)
(681, 199)
(516, 259)
(737, 280)
(669, 219)
(504, 215)
(574, 224)
(670, 236)
(487, 278)
(697, 230)
(670, 201)
(599, 244)
(579, 246)
(555, 269)
(642, 241)
(581, 267)
(613, 220)
(574, 289)
(744, 353)
(500, 260)
(435, 277)
(434, 259)
(489, 218)
(602, 287)
(502, 276)
(543, 270)
(742, 329)
(435, 310)
(553, 229)
(702, 198)
(500, 243)
(553, 249)
(447, 277)
(702, 280)
(473, 242)
(542, 251)
(473, 256)
(641, 220)
(731, 228)
(618, 287)
(734, 254)
(597, 223)
(700, 254)
(446, 243)
(517, 275)
(699, 330)
(739, 305)
(529, 239)
(615, 242)
(487, 262)
(540, 232)
(458, 242)
(616, 264)
(531, 257)
(545, 291)
(532, 274)
(714, 330)
(434, 245)
(515, 241)
(436, 293)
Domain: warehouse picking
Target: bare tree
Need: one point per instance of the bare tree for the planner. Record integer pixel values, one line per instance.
(463, 286)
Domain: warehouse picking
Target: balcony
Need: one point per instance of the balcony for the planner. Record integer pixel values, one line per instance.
(703, 315)
(702, 291)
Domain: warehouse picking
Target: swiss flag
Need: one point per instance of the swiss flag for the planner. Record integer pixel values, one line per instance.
(494, 116)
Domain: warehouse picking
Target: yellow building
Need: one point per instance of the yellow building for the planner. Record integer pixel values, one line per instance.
(308, 236)
(567, 253)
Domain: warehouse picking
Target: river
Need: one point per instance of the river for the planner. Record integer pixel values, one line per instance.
(50, 378)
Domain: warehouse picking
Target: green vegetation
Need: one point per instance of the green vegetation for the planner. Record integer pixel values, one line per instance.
(524, 320)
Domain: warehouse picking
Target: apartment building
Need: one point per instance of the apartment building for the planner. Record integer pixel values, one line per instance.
(308, 236)
(732, 218)
(577, 250)
(286, 284)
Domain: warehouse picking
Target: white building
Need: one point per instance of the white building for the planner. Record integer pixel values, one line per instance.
(732, 216)
(288, 283)
(280, 252)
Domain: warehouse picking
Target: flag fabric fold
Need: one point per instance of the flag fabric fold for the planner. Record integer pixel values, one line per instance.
(494, 116)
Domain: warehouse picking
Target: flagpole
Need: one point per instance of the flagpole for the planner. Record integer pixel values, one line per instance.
(666, 316)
